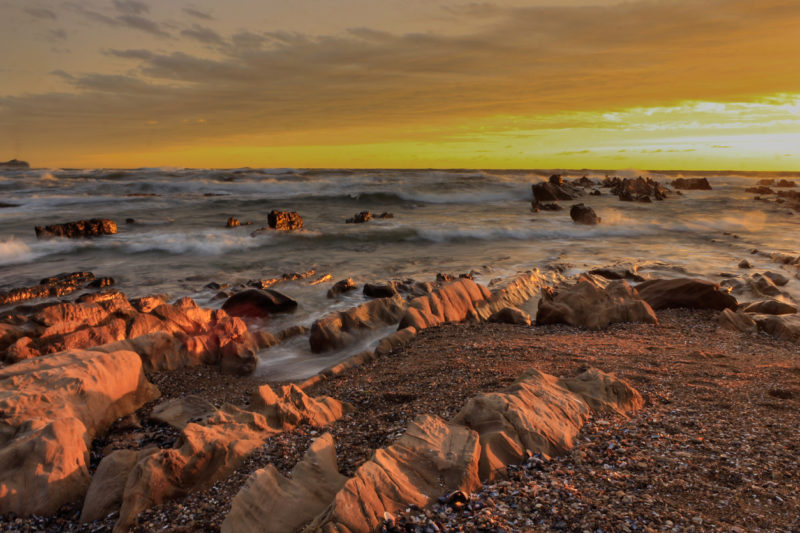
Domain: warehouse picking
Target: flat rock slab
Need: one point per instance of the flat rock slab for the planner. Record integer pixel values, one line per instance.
(685, 292)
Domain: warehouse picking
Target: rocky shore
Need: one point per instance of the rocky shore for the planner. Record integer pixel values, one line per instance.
(665, 406)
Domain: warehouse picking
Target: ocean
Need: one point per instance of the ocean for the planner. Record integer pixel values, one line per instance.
(452, 221)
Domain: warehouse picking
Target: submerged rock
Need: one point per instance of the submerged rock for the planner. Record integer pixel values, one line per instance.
(341, 287)
(691, 184)
(380, 290)
(359, 218)
(582, 214)
(74, 230)
(233, 222)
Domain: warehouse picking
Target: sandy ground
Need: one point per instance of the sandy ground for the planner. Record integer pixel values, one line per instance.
(715, 447)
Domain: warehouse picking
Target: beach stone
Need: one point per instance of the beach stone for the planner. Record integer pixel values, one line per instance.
(453, 302)
(49, 287)
(691, 184)
(146, 304)
(360, 218)
(744, 263)
(272, 503)
(380, 290)
(770, 307)
(53, 407)
(432, 458)
(341, 287)
(582, 214)
(511, 315)
(586, 304)
(737, 321)
(777, 278)
(341, 328)
(258, 303)
(685, 292)
(74, 230)
(284, 220)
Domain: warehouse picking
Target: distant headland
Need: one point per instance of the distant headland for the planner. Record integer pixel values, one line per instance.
(14, 163)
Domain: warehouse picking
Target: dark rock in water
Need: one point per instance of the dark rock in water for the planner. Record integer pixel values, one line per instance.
(385, 214)
(284, 220)
(6, 204)
(360, 218)
(101, 283)
(644, 199)
(556, 180)
(692, 184)
(625, 196)
(444, 277)
(552, 192)
(14, 163)
(341, 287)
(617, 272)
(258, 303)
(685, 292)
(759, 190)
(596, 192)
(380, 290)
(582, 214)
(233, 222)
(785, 184)
(584, 182)
(537, 206)
(81, 228)
(130, 221)
(766, 182)
(639, 189)
(744, 263)
(51, 287)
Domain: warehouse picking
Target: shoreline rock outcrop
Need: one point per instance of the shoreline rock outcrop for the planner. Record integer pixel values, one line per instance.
(284, 220)
(92, 227)
(697, 184)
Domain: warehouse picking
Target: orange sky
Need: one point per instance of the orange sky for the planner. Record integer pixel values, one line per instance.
(357, 83)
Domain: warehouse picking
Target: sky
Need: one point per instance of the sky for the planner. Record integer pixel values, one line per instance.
(645, 84)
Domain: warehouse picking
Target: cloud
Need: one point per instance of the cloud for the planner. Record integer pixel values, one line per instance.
(59, 34)
(523, 62)
(40, 13)
(203, 34)
(196, 13)
(131, 7)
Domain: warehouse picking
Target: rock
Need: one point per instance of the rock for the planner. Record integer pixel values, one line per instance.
(146, 304)
(108, 485)
(778, 279)
(618, 271)
(433, 457)
(692, 184)
(553, 191)
(14, 163)
(744, 263)
(178, 412)
(785, 184)
(453, 302)
(258, 303)
(271, 502)
(53, 407)
(75, 230)
(341, 287)
(284, 220)
(582, 214)
(596, 192)
(101, 283)
(385, 214)
(211, 449)
(380, 290)
(514, 292)
(359, 218)
(736, 321)
(233, 222)
(588, 305)
(537, 206)
(539, 414)
(783, 327)
(395, 341)
(685, 292)
(511, 315)
(640, 189)
(763, 284)
(770, 307)
(9, 334)
(341, 328)
(759, 190)
(54, 286)
(767, 182)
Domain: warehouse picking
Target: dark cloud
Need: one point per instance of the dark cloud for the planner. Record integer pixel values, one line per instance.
(203, 34)
(128, 20)
(59, 34)
(524, 62)
(131, 7)
(40, 13)
(196, 13)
